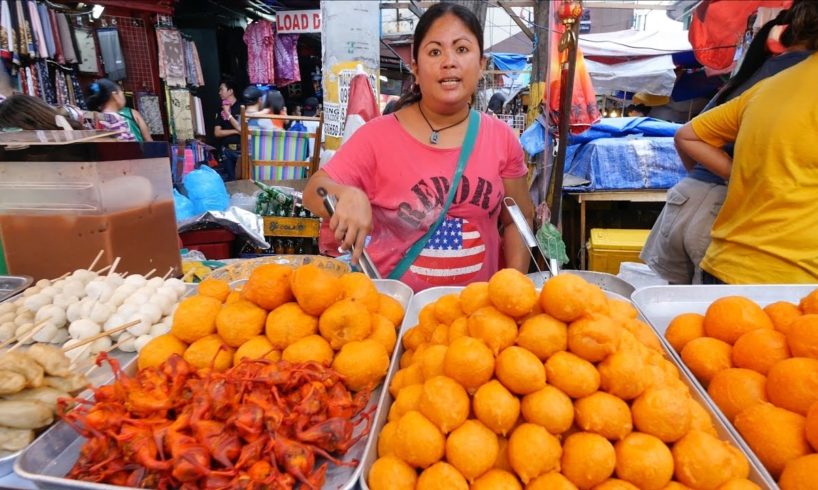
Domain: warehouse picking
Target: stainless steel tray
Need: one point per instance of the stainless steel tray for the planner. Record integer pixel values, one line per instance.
(758, 474)
(12, 285)
(49, 458)
(99, 376)
(661, 304)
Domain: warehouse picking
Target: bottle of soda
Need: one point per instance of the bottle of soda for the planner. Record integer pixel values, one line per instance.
(289, 247)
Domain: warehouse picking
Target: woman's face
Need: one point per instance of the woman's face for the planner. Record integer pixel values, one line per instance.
(119, 98)
(449, 64)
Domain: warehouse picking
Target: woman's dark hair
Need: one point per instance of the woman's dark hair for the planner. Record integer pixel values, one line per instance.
(428, 18)
(30, 113)
(274, 101)
(100, 92)
(804, 23)
(496, 103)
(756, 55)
(229, 84)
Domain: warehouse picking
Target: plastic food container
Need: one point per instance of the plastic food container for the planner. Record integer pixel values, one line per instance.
(61, 205)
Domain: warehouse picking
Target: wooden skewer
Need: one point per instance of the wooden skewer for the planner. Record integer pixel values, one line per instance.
(103, 269)
(150, 273)
(82, 362)
(61, 277)
(31, 333)
(113, 266)
(102, 334)
(167, 274)
(96, 259)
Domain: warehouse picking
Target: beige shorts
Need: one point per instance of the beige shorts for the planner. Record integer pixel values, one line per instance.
(680, 237)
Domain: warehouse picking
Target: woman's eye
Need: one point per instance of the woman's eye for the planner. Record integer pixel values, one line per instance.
(462, 49)
(434, 52)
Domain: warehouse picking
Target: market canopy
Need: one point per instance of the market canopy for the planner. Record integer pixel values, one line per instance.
(631, 43)
(654, 75)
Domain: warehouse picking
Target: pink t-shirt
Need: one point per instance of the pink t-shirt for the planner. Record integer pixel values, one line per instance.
(407, 183)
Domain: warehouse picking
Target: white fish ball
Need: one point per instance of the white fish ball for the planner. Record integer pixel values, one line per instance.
(7, 330)
(138, 298)
(32, 291)
(126, 342)
(114, 321)
(137, 280)
(74, 287)
(50, 291)
(53, 313)
(64, 301)
(141, 341)
(115, 280)
(43, 283)
(160, 329)
(7, 308)
(154, 312)
(99, 290)
(164, 302)
(8, 316)
(156, 282)
(127, 310)
(79, 352)
(60, 284)
(73, 312)
(83, 275)
(178, 285)
(22, 330)
(141, 328)
(37, 301)
(100, 313)
(100, 345)
(83, 328)
(46, 333)
(61, 337)
(23, 319)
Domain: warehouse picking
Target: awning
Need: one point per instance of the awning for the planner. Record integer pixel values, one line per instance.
(631, 43)
(654, 75)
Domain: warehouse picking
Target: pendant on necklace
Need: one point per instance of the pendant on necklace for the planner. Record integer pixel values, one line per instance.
(434, 137)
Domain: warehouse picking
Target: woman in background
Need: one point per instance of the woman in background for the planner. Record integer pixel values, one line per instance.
(107, 98)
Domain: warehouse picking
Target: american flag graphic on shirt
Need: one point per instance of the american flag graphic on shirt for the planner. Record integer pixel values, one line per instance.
(454, 254)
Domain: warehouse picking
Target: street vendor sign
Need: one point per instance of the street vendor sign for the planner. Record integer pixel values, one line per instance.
(298, 21)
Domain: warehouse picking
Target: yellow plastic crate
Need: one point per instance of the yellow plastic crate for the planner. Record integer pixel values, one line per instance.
(610, 247)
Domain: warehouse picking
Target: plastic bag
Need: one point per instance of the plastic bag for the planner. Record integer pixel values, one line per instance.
(206, 190)
(183, 206)
(244, 201)
(533, 138)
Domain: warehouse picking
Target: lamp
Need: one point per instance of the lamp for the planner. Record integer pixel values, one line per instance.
(569, 13)
(96, 10)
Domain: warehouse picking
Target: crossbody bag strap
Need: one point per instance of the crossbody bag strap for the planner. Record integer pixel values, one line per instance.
(465, 153)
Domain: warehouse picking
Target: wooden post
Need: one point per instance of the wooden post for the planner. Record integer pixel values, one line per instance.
(479, 8)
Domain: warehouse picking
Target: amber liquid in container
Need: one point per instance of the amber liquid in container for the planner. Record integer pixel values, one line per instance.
(46, 246)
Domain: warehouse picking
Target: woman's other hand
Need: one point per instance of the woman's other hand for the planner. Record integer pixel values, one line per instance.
(352, 220)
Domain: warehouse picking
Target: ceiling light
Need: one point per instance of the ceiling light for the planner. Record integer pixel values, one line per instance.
(96, 11)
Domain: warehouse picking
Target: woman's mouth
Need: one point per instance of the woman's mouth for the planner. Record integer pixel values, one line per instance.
(450, 82)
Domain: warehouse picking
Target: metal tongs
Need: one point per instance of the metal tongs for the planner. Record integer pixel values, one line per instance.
(528, 236)
(365, 262)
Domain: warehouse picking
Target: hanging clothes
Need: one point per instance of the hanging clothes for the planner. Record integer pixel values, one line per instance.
(260, 42)
(23, 31)
(7, 44)
(48, 32)
(171, 57)
(181, 114)
(46, 86)
(193, 69)
(37, 34)
(148, 106)
(61, 88)
(55, 28)
(287, 70)
(77, 97)
(198, 117)
(112, 55)
(66, 40)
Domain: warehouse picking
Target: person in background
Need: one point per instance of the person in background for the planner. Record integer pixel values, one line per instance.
(680, 237)
(253, 101)
(32, 113)
(227, 129)
(108, 100)
(767, 229)
(637, 110)
(274, 104)
(310, 109)
(496, 102)
(393, 175)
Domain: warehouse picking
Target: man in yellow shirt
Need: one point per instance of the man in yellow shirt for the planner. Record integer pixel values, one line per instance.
(767, 230)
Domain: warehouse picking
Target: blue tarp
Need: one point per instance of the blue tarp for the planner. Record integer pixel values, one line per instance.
(509, 61)
(625, 153)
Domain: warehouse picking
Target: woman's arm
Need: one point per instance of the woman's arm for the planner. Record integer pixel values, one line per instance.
(514, 248)
(220, 132)
(352, 220)
(714, 159)
(143, 126)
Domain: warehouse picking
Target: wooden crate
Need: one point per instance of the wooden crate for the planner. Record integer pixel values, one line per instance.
(277, 226)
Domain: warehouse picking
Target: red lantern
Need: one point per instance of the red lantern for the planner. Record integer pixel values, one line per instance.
(570, 11)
